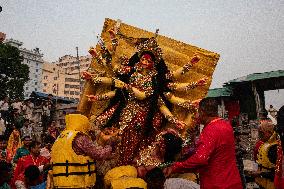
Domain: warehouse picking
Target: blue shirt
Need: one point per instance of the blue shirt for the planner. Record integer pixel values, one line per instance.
(40, 186)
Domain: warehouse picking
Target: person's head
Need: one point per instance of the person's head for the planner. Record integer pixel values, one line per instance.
(173, 146)
(48, 141)
(155, 179)
(271, 106)
(26, 123)
(208, 108)
(3, 142)
(5, 172)
(32, 175)
(34, 148)
(49, 96)
(53, 123)
(26, 141)
(280, 124)
(265, 130)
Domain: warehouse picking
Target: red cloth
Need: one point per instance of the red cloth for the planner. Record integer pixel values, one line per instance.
(215, 158)
(25, 162)
(279, 172)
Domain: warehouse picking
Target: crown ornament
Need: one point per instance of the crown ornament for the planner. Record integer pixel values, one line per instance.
(149, 45)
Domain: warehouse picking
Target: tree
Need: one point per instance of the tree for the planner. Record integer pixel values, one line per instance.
(13, 74)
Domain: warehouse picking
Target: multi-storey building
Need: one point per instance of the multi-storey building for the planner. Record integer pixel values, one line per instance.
(53, 79)
(62, 78)
(32, 58)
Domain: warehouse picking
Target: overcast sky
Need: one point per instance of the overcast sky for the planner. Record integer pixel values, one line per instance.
(248, 34)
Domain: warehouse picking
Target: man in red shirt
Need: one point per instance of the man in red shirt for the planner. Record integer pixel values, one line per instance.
(33, 159)
(215, 157)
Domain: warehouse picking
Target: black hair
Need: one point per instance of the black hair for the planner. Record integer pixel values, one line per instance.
(173, 145)
(34, 144)
(48, 139)
(26, 136)
(5, 167)
(3, 138)
(209, 106)
(159, 87)
(155, 178)
(32, 172)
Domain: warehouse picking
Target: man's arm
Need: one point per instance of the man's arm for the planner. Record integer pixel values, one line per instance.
(206, 145)
(83, 145)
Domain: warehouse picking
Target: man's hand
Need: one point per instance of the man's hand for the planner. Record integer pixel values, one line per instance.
(168, 171)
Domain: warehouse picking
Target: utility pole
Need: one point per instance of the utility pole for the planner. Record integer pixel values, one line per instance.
(78, 61)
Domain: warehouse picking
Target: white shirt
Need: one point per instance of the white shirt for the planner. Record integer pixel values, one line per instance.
(180, 183)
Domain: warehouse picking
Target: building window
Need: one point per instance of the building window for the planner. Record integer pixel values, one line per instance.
(66, 85)
(27, 88)
(35, 89)
(77, 93)
(44, 90)
(36, 70)
(55, 78)
(45, 84)
(35, 83)
(66, 92)
(36, 64)
(71, 92)
(53, 69)
(35, 76)
(45, 77)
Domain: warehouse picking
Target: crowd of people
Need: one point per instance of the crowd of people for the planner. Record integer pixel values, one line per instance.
(20, 148)
(136, 141)
(83, 157)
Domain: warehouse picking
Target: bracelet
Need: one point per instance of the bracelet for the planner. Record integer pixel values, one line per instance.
(96, 80)
(190, 86)
(186, 68)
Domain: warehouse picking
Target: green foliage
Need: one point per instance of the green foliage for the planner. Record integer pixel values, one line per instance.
(13, 74)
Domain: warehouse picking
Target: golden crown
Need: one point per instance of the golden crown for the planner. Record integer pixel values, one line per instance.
(149, 45)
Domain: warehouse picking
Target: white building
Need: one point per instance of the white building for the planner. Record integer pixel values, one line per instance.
(32, 58)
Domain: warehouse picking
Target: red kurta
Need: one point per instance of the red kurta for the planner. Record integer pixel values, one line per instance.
(215, 158)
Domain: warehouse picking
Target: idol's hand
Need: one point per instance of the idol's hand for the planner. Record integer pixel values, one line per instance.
(111, 33)
(195, 59)
(86, 75)
(201, 82)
